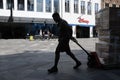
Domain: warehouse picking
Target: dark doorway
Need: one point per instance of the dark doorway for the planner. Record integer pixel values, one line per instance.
(82, 32)
(12, 30)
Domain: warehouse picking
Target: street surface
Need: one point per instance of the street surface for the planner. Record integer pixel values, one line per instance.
(21, 59)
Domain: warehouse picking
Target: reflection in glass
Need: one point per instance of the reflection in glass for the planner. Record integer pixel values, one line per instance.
(89, 8)
(82, 7)
(30, 5)
(39, 5)
(20, 4)
(96, 7)
(75, 6)
(1, 4)
(9, 4)
(67, 3)
(56, 5)
(48, 6)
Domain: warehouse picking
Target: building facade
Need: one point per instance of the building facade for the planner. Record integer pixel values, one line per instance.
(110, 3)
(23, 16)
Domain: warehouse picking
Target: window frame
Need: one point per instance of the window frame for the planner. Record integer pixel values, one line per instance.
(83, 7)
(67, 5)
(1, 4)
(8, 4)
(96, 7)
(48, 8)
(30, 6)
(19, 5)
(76, 8)
(89, 8)
(39, 5)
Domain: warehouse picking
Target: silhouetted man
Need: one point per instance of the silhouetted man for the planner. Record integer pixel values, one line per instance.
(65, 34)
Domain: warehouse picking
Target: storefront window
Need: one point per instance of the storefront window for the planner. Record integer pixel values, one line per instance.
(39, 5)
(30, 5)
(82, 7)
(20, 4)
(10, 3)
(89, 8)
(1, 4)
(48, 6)
(67, 5)
(75, 6)
(56, 5)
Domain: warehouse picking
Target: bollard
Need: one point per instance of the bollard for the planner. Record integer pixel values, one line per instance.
(31, 38)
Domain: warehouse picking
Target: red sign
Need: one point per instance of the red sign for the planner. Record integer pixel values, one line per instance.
(82, 20)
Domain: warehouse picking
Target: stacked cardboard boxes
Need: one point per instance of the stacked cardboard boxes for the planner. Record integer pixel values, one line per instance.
(108, 27)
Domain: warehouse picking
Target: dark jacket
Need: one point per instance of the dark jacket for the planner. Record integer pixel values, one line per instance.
(65, 31)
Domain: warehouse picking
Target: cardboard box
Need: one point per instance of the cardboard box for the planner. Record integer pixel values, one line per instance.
(108, 26)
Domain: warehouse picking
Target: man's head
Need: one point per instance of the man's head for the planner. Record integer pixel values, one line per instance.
(56, 17)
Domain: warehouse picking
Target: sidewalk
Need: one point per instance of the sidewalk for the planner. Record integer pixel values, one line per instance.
(29, 60)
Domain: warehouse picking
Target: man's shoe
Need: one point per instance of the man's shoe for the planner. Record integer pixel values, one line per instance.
(53, 70)
(77, 65)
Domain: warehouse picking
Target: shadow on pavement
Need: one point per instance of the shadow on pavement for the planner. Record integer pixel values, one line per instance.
(33, 65)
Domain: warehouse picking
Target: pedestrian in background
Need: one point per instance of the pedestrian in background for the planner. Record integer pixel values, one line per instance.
(65, 34)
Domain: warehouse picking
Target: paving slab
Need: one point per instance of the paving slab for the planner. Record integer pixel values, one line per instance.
(21, 59)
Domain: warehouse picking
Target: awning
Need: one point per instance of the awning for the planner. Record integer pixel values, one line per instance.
(27, 20)
(82, 25)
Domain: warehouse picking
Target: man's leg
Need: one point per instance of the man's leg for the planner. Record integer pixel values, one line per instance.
(78, 63)
(57, 57)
